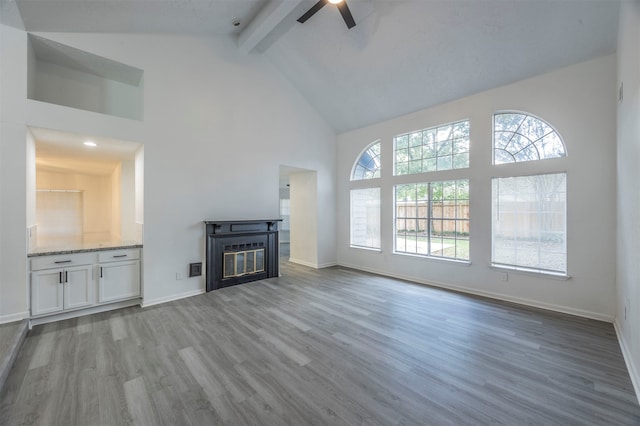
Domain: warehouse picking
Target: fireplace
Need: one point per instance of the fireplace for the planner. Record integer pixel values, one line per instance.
(240, 251)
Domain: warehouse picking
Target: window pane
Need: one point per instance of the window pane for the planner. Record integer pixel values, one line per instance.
(521, 137)
(507, 121)
(429, 165)
(368, 165)
(529, 222)
(438, 148)
(432, 219)
(365, 217)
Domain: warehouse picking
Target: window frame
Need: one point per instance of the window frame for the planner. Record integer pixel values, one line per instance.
(532, 143)
(535, 271)
(356, 163)
(379, 218)
(436, 158)
(431, 218)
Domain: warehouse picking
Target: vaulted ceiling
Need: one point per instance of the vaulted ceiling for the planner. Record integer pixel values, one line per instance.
(402, 56)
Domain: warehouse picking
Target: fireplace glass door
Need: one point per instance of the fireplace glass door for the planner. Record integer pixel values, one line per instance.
(246, 262)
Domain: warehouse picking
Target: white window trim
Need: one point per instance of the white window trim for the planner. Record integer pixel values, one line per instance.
(532, 272)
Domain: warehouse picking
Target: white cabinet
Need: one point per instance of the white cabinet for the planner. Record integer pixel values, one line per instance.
(119, 275)
(61, 283)
(46, 292)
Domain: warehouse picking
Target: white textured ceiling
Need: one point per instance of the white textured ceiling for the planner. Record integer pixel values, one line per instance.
(137, 16)
(402, 56)
(408, 55)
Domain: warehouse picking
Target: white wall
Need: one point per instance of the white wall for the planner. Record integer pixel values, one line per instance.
(115, 228)
(580, 102)
(217, 126)
(128, 200)
(66, 86)
(304, 218)
(31, 179)
(139, 195)
(13, 136)
(628, 218)
(98, 197)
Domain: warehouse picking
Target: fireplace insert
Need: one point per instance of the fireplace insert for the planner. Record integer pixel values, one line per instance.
(240, 251)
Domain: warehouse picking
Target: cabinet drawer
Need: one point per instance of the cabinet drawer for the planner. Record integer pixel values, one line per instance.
(61, 261)
(118, 255)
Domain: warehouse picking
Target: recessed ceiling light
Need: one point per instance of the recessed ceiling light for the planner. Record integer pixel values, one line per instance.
(90, 143)
(335, 1)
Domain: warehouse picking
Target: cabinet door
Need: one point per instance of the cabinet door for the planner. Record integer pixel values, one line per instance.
(78, 288)
(47, 291)
(118, 281)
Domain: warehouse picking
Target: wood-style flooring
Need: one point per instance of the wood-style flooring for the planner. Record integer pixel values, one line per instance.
(315, 347)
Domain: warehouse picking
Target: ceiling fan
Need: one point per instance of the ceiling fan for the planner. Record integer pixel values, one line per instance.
(340, 4)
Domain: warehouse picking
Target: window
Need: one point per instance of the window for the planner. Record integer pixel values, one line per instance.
(530, 222)
(365, 218)
(438, 148)
(432, 219)
(368, 165)
(522, 137)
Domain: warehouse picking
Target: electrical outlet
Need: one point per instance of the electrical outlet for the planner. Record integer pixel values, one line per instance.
(178, 275)
(504, 277)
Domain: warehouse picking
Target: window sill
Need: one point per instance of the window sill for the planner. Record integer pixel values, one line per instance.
(434, 258)
(375, 250)
(532, 272)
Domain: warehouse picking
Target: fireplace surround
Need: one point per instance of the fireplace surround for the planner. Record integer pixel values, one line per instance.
(240, 251)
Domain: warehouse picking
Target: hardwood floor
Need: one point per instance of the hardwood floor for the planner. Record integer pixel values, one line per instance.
(332, 346)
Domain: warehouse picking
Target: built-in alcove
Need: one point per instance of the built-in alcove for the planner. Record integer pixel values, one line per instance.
(63, 75)
(80, 195)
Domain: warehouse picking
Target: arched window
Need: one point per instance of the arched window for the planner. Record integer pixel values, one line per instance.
(368, 164)
(529, 212)
(521, 137)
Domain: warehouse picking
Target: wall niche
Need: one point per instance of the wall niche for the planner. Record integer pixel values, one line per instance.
(63, 75)
(82, 191)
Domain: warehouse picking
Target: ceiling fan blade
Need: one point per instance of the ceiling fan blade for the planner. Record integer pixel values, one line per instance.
(346, 14)
(316, 7)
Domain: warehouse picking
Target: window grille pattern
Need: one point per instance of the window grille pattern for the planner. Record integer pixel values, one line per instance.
(521, 137)
(443, 147)
(432, 219)
(530, 222)
(368, 164)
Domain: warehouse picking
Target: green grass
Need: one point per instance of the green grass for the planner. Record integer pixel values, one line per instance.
(459, 248)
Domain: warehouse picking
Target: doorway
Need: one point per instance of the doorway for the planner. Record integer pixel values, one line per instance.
(298, 206)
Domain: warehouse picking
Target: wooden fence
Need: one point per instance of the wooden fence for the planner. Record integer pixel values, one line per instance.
(447, 217)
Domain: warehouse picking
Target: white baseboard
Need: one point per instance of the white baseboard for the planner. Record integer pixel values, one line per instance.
(14, 317)
(82, 312)
(303, 263)
(628, 360)
(147, 303)
(313, 265)
(491, 295)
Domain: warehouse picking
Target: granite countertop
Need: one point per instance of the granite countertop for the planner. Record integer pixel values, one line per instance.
(83, 248)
